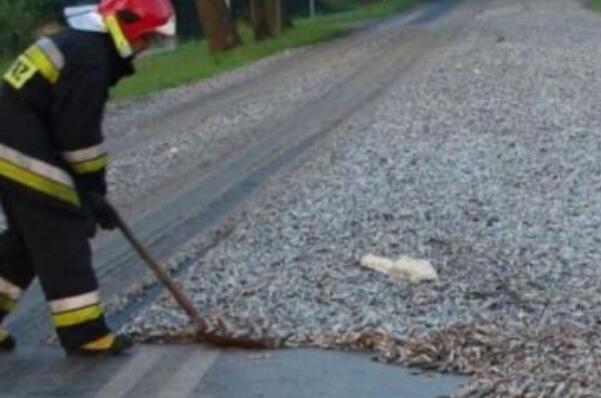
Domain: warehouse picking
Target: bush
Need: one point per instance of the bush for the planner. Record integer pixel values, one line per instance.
(19, 19)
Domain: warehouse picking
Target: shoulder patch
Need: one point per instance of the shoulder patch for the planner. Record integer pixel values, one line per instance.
(43, 57)
(20, 72)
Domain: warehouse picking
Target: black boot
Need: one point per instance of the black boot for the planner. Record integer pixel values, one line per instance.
(109, 345)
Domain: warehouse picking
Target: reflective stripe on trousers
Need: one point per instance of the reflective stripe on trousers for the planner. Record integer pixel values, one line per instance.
(75, 310)
(9, 294)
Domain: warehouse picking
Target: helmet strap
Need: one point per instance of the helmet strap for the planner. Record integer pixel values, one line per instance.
(123, 46)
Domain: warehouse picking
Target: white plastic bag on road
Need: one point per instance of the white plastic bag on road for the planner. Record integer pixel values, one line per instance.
(415, 270)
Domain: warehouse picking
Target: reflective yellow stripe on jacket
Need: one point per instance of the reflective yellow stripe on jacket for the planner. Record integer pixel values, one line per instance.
(44, 57)
(37, 175)
(43, 63)
(90, 166)
(87, 160)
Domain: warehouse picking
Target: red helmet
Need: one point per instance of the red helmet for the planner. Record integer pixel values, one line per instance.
(129, 21)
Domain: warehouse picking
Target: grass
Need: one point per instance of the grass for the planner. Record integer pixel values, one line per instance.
(595, 4)
(192, 61)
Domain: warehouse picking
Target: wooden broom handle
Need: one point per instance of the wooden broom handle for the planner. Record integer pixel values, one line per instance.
(157, 269)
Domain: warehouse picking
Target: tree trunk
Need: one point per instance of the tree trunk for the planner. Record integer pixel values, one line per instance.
(286, 20)
(277, 16)
(258, 16)
(217, 25)
(269, 18)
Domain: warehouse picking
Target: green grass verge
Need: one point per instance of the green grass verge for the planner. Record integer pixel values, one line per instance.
(595, 4)
(192, 61)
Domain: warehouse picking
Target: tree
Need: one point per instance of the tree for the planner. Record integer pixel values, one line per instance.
(269, 18)
(277, 16)
(217, 25)
(19, 21)
(258, 19)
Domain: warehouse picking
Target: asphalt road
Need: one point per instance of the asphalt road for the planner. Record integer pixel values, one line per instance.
(196, 371)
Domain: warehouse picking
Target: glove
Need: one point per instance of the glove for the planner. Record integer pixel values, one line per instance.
(90, 220)
(103, 211)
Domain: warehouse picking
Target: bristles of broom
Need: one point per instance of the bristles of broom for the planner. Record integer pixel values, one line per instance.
(206, 333)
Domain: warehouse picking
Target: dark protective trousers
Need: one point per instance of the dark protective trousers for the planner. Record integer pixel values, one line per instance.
(51, 243)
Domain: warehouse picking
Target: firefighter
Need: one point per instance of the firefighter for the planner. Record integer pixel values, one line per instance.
(52, 163)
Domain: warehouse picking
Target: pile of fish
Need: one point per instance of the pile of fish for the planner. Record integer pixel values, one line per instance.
(484, 160)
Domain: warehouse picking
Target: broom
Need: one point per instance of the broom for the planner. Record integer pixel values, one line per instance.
(203, 330)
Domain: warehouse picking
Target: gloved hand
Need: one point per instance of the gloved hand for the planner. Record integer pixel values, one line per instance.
(90, 220)
(103, 212)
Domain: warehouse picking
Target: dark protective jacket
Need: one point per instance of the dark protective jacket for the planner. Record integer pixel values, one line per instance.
(51, 105)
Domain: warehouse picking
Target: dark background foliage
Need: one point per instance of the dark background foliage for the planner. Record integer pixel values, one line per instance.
(21, 20)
